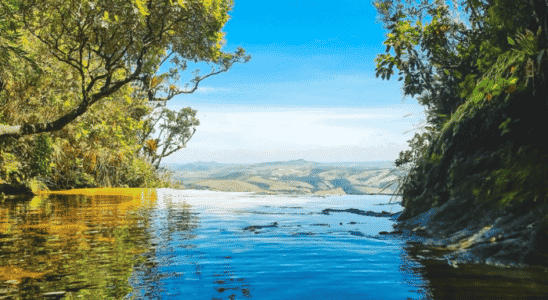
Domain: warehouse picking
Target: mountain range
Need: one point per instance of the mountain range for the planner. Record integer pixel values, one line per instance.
(290, 177)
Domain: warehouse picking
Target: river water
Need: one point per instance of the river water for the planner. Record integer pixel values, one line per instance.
(171, 244)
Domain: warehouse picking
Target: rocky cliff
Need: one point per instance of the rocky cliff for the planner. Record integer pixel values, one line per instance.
(481, 190)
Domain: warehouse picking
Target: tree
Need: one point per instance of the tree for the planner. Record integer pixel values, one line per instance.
(448, 56)
(10, 50)
(428, 55)
(175, 130)
(102, 58)
(481, 78)
(112, 43)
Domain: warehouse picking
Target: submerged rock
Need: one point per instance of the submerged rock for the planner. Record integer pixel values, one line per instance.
(303, 233)
(389, 233)
(359, 212)
(255, 227)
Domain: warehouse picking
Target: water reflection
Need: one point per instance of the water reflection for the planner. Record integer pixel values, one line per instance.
(177, 267)
(77, 244)
(167, 226)
(205, 250)
(146, 244)
(473, 281)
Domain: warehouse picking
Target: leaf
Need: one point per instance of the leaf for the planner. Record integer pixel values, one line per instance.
(477, 96)
(208, 3)
(511, 41)
(513, 80)
(483, 83)
(142, 9)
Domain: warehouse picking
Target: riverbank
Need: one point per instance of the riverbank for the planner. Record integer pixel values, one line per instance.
(462, 232)
(481, 234)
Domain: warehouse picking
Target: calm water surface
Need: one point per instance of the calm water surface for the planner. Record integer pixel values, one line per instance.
(169, 244)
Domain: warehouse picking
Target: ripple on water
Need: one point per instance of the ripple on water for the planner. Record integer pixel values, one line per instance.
(212, 245)
(285, 251)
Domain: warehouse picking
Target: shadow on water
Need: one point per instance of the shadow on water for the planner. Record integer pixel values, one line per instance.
(473, 281)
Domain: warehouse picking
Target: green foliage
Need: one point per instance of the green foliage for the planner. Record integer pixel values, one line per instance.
(469, 67)
(418, 145)
(435, 159)
(433, 50)
(172, 130)
(41, 158)
(520, 180)
(85, 75)
(9, 163)
(109, 45)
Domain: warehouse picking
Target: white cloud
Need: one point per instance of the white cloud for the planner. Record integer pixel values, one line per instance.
(346, 153)
(250, 135)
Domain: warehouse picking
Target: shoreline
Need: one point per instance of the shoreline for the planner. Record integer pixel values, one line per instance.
(481, 234)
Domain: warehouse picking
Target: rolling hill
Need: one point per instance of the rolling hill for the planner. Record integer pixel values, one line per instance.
(290, 177)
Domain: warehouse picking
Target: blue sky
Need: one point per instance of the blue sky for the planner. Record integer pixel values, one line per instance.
(308, 92)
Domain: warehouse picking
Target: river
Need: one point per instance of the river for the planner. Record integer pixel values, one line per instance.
(184, 244)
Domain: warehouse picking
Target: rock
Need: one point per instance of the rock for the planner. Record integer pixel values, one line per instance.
(393, 232)
(255, 227)
(359, 212)
(356, 233)
(500, 238)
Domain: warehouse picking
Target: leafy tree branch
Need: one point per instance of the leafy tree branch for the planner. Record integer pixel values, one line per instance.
(113, 43)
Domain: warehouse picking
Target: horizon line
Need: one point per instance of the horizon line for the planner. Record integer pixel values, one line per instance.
(275, 161)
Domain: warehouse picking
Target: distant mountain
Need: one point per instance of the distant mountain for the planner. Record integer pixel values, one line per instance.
(290, 177)
(367, 164)
(198, 166)
(299, 162)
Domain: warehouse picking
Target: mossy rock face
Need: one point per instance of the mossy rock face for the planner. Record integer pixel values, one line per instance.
(492, 153)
